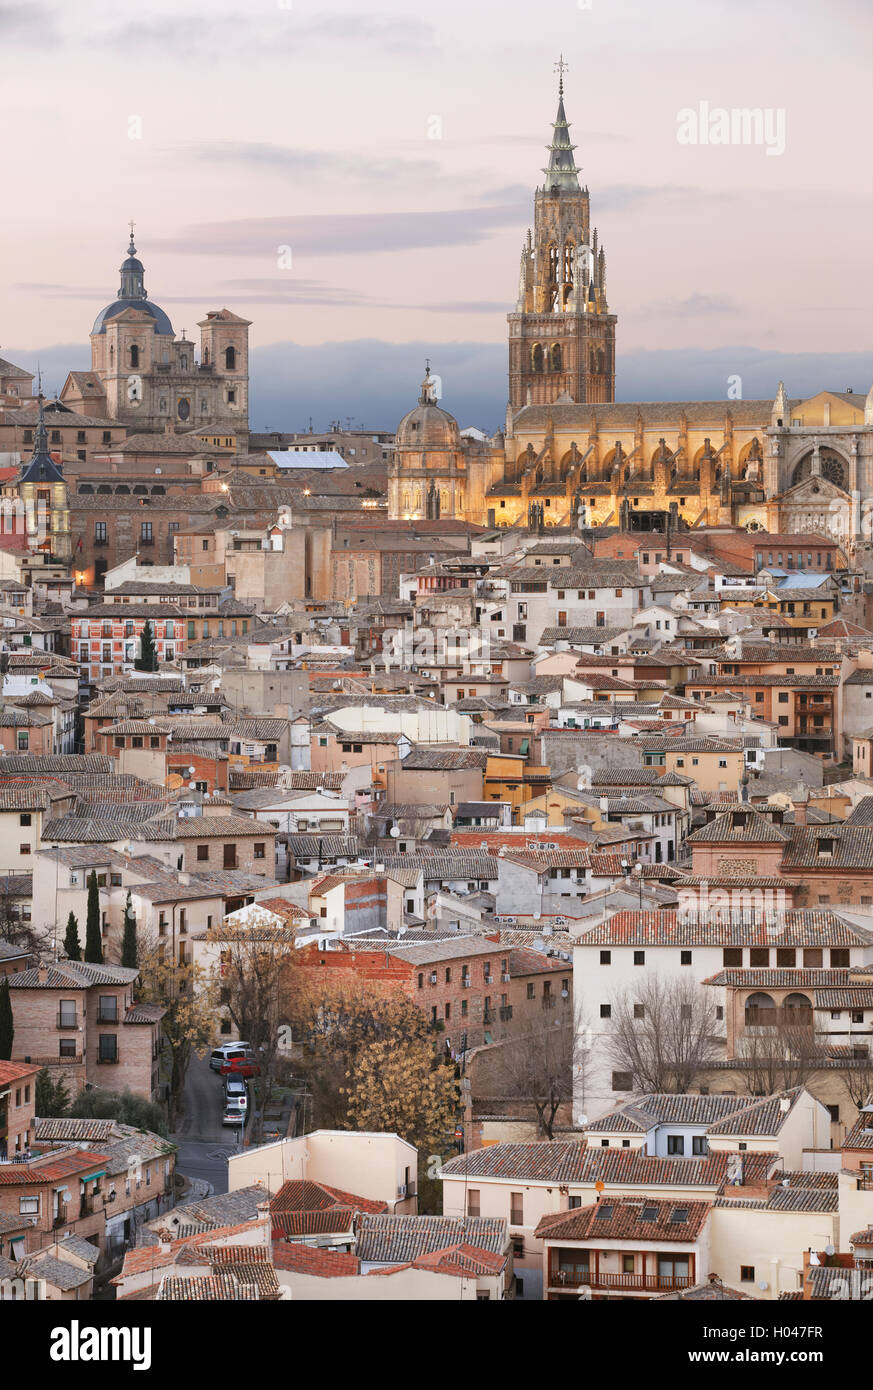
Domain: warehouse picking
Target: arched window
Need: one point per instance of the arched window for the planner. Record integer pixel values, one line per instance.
(536, 357)
(183, 361)
(230, 359)
(163, 405)
(760, 1010)
(556, 362)
(569, 253)
(158, 491)
(122, 490)
(134, 355)
(797, 1005)
(112, 354)
(140, 490)
(104, 488)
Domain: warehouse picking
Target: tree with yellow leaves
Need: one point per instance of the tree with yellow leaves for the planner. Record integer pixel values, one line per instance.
(189, 997)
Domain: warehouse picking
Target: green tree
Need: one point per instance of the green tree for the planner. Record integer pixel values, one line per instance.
(129, 949)
(72, 945)
(7, 1026)
(93, 940)
(148, 656)
(52, 1097)
(124, 1106)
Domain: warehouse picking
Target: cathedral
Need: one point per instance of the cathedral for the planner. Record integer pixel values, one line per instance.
(570, 455)
(146, 377)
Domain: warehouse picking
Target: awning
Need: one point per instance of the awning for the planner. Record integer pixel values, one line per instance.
(92, 1177)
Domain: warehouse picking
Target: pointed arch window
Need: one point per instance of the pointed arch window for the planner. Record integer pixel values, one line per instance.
(556, 359)
(536, 357)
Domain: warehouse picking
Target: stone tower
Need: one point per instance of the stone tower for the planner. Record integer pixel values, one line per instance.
(561, 336)
(43, 490)
(152, 380)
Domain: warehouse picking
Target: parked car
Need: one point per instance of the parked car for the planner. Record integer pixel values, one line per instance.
(234, 1112)
(235, 1086)
(244, 1065)
(231, 1049)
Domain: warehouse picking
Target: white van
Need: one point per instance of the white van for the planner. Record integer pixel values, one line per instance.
(223, 1054)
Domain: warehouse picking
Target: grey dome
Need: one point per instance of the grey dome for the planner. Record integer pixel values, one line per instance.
(132, 295)
(162, 323)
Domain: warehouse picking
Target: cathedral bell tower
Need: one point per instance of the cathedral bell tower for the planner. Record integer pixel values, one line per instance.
(562, 335)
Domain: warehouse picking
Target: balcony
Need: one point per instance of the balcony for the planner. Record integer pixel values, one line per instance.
(636, 1283)
(146, 540)
(505, 1013)
(107, 1013)
(107, 1061)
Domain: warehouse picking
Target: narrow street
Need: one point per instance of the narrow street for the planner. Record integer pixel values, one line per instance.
(203, 1141)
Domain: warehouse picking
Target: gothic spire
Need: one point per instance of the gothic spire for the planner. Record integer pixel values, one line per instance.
(561, 171)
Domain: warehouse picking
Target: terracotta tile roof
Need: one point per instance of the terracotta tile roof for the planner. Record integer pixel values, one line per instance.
(462, 1259)
(403, 1239)
(797, 927)
(735, 978)
(306, 1259)
(10, 1072)
(860, 1136)
(222, 1287)
(742, 826)
(566, 1161)
(627, 1218)
(296, 1195)
(852, 847)
(64, 1164)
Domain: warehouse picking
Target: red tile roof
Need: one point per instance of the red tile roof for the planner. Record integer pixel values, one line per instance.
(63, 1165)
(304, 1259)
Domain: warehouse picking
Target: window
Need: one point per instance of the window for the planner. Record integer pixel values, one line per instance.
(530, 991)
(107, 1047)
(473, 1207)
(785, 957)
(698, 1145)
(28, 1206)
(606, 1011)
(839, 957)
(606, 958)
(639, 957)
(732, 955)
(684, 957)
(516, 1208)
(639, 1010)
(759, 957)
(622, 1081)
(747, 1274)
(202, 853)
(260, 850)
(675, 1144)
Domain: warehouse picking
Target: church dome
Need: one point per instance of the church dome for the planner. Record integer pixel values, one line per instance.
(428, 426)
(132, 295)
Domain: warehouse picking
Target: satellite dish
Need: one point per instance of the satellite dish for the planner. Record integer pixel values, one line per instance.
(539, 944)
(829, 1250)
(583, 1119)
(394, 832)
(763, 1285)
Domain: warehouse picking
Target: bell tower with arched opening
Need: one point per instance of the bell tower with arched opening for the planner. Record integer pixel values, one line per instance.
(562, 335)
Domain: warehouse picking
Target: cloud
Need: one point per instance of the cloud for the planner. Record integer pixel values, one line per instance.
(34, 23)
(268, 34)
(345, 234)
(690, 307)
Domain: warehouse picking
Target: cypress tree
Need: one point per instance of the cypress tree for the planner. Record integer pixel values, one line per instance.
(7, 1027)
(93, 940)
(148, 656)
(72, 945)
(129, 951)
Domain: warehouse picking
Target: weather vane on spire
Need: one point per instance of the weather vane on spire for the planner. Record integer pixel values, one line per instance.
(132, 225)
(560, 68)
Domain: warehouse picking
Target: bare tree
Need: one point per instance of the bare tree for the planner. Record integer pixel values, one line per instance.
(778, 1057)
(856, 1074)
(663, 1032)
(537, 1067)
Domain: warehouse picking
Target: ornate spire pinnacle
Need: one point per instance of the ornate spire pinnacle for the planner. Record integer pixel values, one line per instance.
(132, 284)
(561, 171)
(41, 442)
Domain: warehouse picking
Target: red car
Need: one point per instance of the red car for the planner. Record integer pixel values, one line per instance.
(240, 1066)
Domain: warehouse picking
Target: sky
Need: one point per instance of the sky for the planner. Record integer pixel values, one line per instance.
(358, 179)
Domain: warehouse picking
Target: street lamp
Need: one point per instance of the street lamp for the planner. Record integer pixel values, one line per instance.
(638, 875)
